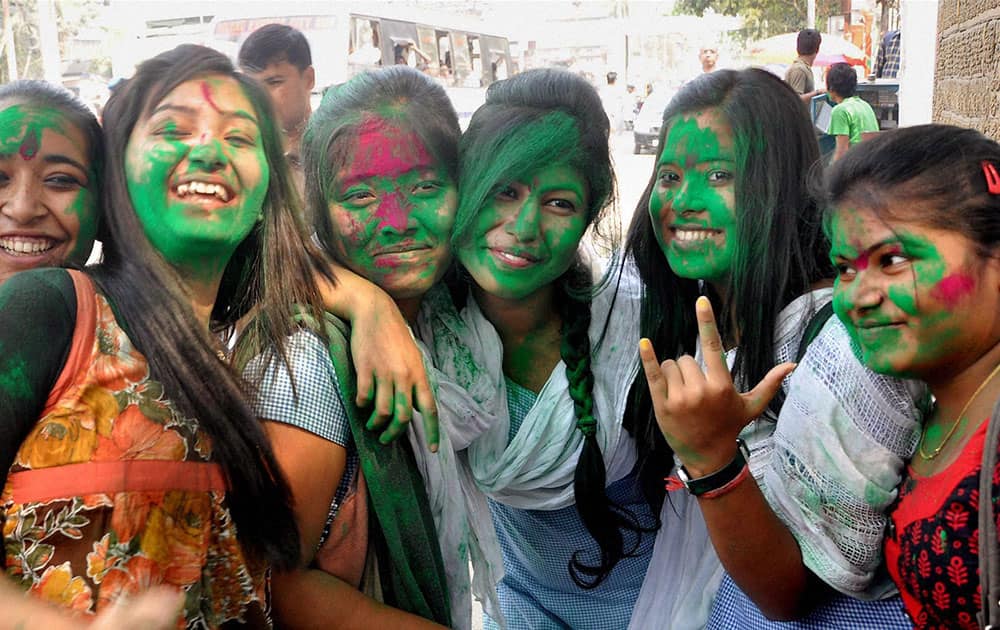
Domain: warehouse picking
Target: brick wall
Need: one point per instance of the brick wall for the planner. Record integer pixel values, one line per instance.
(967, 77)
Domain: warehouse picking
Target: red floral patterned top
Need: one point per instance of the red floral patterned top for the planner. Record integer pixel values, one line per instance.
(932, 551)
(113, 491)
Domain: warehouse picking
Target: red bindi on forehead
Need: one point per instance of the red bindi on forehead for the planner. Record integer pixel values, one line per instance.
(385, 150)
(29, 145)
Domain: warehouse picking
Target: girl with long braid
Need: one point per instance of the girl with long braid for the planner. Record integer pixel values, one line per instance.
(535, 348)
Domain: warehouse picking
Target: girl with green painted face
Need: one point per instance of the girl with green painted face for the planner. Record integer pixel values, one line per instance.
(380, 161)
(728, 225)
(130, 457)
(914, 224)
(50, 161)
(549, 371)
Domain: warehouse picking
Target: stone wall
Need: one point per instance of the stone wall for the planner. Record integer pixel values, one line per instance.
(967, 77)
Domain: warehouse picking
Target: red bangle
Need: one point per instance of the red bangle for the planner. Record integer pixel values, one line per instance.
(737, 480)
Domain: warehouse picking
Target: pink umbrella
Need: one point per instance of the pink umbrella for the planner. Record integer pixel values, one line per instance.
(781, 49)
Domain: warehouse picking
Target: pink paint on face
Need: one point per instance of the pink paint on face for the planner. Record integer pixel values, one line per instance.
(29, 146)
(207, 93)
(394, 212)
(953, 288)
(385, 150)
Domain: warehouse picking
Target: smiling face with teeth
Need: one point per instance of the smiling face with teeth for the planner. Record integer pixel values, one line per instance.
(197, 173)
(392, 209)
(48, 207)
(693, 200)
(527, 236)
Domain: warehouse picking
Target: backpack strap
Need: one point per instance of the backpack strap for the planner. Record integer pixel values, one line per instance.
(989, 551)
(409, 556)
(815, 325)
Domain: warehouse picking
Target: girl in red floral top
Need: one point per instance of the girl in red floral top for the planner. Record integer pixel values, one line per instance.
(915, 231)
(128, 457)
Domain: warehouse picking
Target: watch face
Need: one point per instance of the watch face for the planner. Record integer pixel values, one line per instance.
(683, 476)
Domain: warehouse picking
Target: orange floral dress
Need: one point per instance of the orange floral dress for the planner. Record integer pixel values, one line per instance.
(113, 491)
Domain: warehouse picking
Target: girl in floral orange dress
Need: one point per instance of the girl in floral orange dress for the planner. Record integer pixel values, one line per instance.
(128, 456)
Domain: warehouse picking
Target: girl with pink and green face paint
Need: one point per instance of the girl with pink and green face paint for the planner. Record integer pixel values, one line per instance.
(51, 150)
(380, 161)
(914, 224)
(793, 473)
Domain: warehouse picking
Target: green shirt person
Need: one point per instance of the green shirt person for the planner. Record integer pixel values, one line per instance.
(852, 117)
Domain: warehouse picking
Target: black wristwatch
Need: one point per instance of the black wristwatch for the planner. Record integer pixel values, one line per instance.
(719, 478)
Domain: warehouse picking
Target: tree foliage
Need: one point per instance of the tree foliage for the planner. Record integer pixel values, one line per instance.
(71, 17)
(762, 18)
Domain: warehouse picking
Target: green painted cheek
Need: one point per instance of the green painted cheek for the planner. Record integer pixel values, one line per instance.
(84, 208)
(656, 203)
(183, 238)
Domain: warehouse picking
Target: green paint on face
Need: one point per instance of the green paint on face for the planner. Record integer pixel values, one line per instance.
(393, 208)
(197, 174)
(692, 205)
(41, 149)
(903, 291)
(527, 235)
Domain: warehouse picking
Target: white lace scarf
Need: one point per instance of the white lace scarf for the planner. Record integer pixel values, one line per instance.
(535, 470)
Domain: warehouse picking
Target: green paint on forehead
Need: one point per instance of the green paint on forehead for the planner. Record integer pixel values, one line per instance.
(21, 122)
(490, 163)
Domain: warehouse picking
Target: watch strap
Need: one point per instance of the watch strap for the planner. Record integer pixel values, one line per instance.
(719, 478)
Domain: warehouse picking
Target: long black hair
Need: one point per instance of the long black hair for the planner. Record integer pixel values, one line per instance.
(781, 250)
(529, 122)
(271, 270)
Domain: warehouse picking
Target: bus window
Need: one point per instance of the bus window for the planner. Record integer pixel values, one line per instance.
(364, 52)
(461, 61)
(445, 64)
(475, 79)
(427, 43)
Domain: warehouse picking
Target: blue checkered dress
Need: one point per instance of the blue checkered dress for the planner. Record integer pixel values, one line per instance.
(319, 408)
(537, 591)
(733, 610)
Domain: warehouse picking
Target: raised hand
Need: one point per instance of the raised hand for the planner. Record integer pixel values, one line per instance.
(700, 413)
